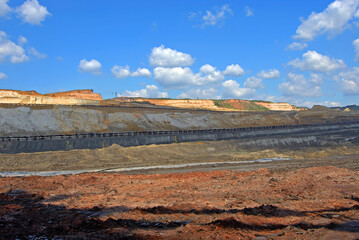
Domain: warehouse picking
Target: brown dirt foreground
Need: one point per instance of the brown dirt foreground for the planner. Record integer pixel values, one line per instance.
(310, 203)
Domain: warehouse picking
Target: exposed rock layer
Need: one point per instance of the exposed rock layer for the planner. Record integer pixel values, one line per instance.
(77, 97)
(47, 120)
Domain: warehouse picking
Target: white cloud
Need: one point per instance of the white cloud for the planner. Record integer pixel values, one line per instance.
(21, 40)
(179, 77)
(253, 82)
(297, 46)
(92, 66)
(209, 75)
(316, 78)
(332, 20)
(213, 18)
(356, 47)
(151, 91)
(313, 61)
(270, 74)
(327, 103)
(350, 81)
(298, 85)
(174, 77)
(36, 53)
(233, 70)
(299, 102)
(4, 8)
(167, 57)
(32, 12)
(210, 93)
(3, 75)
(248, 11)
(123, 72)
(207, 69)
(141, 72)
(9, 50)
(231, 89)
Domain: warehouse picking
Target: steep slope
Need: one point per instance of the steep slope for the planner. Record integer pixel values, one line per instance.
(20, 121)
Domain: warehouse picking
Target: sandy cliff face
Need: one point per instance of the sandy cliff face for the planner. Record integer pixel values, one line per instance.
(222, 105)
(88, 97)
(77, 97)
(184, 103)
(278, 106)
(79, 94)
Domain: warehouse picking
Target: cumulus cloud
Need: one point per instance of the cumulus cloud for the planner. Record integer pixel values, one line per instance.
(248, 11)
(270, 74)
(32, 12)
(233, 70)
(167, 57)
(120, 71)
(332, 20)
(350, 81)
(298, 85)
(179, 77)
(21, 40)
(356, 47)
(151, 91)
(313, 61)
(231, 89)
(123, 72)
(174, 77)
(36, 53)
(92, 66)
(4, 8)
(253, 82)
(297, 46)
(210, 93)
(141, 72)
(9, 50)
(3, 75)
(209, 74)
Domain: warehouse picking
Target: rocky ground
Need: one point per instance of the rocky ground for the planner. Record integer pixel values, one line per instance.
(315, 195)
(309, 203)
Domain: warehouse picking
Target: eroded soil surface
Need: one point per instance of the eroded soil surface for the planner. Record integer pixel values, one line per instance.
(309, 203)
(334, 154)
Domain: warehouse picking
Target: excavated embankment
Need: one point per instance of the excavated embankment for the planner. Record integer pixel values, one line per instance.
(49, 120)
(59, 120)
(256, 137)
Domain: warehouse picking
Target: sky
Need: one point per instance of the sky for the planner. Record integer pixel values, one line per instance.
(303, 52)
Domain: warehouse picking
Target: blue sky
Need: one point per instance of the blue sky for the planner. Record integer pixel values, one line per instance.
(299, 51)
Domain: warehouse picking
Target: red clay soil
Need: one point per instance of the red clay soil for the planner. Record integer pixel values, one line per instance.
(312, 203)
(237, 104)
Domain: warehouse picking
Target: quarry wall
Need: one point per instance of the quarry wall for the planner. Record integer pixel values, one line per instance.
(50, 120)
(268, 136)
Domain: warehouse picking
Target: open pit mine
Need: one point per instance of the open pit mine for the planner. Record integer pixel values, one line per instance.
(76, 166)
